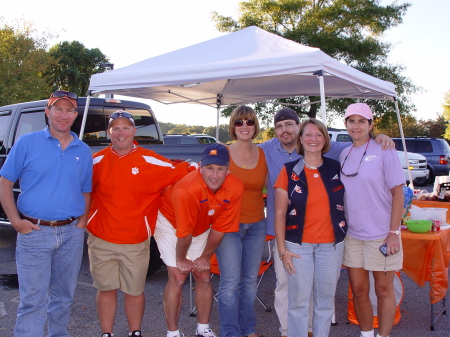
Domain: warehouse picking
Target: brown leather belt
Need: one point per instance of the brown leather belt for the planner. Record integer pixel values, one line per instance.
(53, 223)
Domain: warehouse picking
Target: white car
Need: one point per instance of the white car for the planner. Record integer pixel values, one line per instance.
(417, 163)
(417, 167)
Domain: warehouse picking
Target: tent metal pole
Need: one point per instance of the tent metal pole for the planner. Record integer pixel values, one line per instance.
(217, 123)
(322, 95)
(411, 183)
(85, 113)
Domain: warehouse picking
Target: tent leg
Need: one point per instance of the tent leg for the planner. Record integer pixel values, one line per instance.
(85, 113)
(217, 124)
(322, 99)
(411, 183)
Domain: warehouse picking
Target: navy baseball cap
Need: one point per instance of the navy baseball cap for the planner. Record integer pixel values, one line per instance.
(215, 154)
(285, 114)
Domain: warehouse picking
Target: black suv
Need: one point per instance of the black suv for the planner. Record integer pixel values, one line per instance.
(436, 150)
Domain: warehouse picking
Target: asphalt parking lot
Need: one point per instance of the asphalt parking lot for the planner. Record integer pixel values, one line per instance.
(415, 307)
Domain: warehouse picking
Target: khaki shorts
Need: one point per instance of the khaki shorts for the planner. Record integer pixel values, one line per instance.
(366, 254)
(165, 236)
(118, 266)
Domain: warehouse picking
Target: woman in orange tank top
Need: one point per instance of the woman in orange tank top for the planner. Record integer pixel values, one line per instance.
(240, 253)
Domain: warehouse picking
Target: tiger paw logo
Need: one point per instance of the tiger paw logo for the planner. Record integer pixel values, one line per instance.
(135, 170)
(294, 176)
(211, 212)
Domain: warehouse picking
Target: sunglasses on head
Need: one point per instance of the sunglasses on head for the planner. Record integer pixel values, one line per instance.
(63, 93)
(249, 122)
(120, 114)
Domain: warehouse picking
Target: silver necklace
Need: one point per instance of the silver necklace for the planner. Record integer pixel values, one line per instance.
(310, 166)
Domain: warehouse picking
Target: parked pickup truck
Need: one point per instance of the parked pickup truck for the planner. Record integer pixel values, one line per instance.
(22, 118)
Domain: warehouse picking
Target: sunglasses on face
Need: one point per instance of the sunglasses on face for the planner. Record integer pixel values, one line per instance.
(249, 122)
(63, 93)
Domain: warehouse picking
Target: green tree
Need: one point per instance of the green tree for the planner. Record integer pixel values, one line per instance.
(446, 114)
(435, 127)
(414, 128)
(165, 127)
(224, 136)
(348, 30)
(23, 59)
(74, 64)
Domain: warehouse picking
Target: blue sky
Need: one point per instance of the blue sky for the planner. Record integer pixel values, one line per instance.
(143, 29)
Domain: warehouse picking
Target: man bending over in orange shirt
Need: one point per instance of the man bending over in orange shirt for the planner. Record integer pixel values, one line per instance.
(194, 214)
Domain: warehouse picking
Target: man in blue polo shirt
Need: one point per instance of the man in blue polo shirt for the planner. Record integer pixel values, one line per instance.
(55, 172)
(279, 151)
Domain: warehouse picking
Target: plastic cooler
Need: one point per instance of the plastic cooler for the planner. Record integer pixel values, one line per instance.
(429, 213)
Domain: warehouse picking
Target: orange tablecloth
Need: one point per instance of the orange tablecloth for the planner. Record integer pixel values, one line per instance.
(426, 258)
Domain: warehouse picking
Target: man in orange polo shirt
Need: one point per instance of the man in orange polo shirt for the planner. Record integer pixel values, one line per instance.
(126, 186)
(195, 213)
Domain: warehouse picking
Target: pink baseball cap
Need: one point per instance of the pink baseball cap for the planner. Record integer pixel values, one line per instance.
(361, 109)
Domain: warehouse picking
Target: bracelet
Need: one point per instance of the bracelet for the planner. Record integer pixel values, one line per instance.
(284, 253)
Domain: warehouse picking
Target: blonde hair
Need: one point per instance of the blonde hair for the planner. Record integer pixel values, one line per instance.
(322, 128)
(242, 112)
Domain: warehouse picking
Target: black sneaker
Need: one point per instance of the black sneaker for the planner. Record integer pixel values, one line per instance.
(135, 333)
(107, 334)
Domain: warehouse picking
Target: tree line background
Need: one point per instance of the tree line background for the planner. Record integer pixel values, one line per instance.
(351, 31)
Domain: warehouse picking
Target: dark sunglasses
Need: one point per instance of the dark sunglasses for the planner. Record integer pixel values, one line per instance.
(63, 93)
(249, 122)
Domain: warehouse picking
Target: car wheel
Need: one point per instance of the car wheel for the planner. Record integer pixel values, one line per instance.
(421, 182)
(155, 258)
(432, 176)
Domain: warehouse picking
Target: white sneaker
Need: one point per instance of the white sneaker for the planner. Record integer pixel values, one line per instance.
(207, 333)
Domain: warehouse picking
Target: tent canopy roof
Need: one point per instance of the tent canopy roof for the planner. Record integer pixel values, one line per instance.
(247, 66)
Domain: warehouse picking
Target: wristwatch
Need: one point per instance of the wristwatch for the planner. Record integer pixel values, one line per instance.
(397, 232)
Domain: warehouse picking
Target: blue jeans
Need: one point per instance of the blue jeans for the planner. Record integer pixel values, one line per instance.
(318, 269)
(48, 261)
(239, 256)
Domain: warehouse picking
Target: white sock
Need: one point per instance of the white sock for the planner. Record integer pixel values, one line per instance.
(201, 327)
(378, 335)
(367, 333)
(175, 333)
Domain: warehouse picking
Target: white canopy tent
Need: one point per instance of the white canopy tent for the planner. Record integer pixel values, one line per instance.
(243, 67)
(247, 66)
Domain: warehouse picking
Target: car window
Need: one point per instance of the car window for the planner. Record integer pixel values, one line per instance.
(187, 140)
(30, 121)
(4, 119)
(444, 145)
(145, 124)
(206, 140)
(343, 138)
(423, 146)
(95, 128)
(170, 140)
(399, 145)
